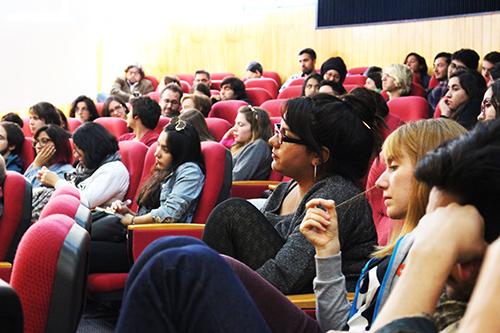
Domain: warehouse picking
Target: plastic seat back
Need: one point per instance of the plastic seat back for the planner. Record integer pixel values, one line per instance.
(226, 110)
(115, 126)
(291, 92)
(257, 96)
(217, 127)
(409, 108)
(268, 84)
(274, 106)
(133, 154)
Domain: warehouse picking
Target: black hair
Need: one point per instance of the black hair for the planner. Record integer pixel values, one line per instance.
(203, 88)
(90, 107)
(255, 67)
(60, 138)
(309, 51)
(147, 110)
(202, 71)
(47, 112)
(343, 127)
(107, 102)
(184, 146)
(96, 142)
(469, 168)
(237, 86)
(374, 73)
(495, 72)
(472, 82)
(492, 57)
(337, 87)
(13, 118)
(422, 64)
(175, 88)
(15, 136)
(495, 97)
(314, 76)
(469, 57)
(445, 55)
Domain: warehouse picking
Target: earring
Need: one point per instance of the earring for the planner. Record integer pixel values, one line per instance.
(315, 169)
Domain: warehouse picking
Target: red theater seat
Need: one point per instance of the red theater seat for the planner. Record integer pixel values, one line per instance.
(220, 76)
(273, 75)
(433, 82)
(133, 154)
(355, 79)
(162, 122)
(290, 92)
(350, 87)
(417, 90)
(26, 127)
(155, 96)
(257, 96)
(189, 78)
(73, 124)
(69, 205)
(116, 126)
(217, 127)
(27, 152)
(186, 87)
(99, 106)
(409, 108)
(297, 82)
(274, 106)
(357, 70)
(153, 79)
(265, 83)
(226, 110)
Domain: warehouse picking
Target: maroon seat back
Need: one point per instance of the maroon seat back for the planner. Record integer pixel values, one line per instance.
(226, 110)
(355, 79)
(16, 216)
(162, 122)
(274, 106)
(417, 90)
(155, 96)
(49, 274)
(116, 126)
(217, 127)
(273, 75)
(409, 108)
(290, 92)
(133, 154)
(189, 78)
(297, 82)
(69, 205)
(257, 96)
(267, 84)
(153, 79)
(73, 124)
(186, 87)
(357, 70)
(220, 76)
(27, 152)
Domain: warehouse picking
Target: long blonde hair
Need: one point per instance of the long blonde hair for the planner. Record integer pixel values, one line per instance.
(415, 140)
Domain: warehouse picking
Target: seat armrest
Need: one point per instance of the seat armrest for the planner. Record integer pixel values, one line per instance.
(141, 235)
(251, 189)
(5, 271)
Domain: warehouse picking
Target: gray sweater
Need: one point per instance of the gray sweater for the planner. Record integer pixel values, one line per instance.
(293, 268)
(253, 161)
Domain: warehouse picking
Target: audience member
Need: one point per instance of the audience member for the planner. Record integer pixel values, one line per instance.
(250, 149)
(462, 217)
(442, 61)
(462, 102)
(490, 106)
(202, 76)
(488, 63)
(41, 114)
(373, 78)
(307, 61)
(463, 59)
(166, 80)
(396, 80)
(170, 100)
(323, 144)
(232, 88)
(143, 120)
(254, 70)
(53, 151)
(331, 87)
(13, 118)
(132, 85)
(311, 85)
(495, 72)
(418, 67)
(334, 69)
(199, 102)
(201, 89)
(115, 107)
(197, 120)
(64, 120)
(169, 195)
(84, 109)
(11, 145)
(100, 176)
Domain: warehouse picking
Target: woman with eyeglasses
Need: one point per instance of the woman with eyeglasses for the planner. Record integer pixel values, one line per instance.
(169, 195)
(84, 109)
(248, 143)
(115, 107)
(53, 151)
(490, 106)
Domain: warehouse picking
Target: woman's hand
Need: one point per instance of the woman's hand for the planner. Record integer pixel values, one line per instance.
(44, 156)
(121, 207)
(443, 106)
(47, 178)
(320, 227)
(127, 219)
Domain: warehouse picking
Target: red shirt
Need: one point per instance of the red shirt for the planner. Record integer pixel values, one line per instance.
(148, 139)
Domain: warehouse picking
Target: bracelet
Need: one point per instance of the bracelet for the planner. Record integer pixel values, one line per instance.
(133, 222)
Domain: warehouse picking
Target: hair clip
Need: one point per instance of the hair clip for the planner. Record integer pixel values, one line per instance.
(366, 125)
(180, 125)
(254, 111)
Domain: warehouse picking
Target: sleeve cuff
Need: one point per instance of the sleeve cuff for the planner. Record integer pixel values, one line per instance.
(328, 268)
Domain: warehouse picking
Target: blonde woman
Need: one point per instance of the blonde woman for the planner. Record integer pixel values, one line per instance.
(396, 80)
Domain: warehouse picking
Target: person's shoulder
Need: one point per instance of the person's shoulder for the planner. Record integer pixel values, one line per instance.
(189, 167)
(126, 137)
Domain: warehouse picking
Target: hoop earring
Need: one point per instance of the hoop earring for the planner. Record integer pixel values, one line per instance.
(315, 170)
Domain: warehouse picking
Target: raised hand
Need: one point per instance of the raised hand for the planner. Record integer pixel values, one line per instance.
(47, 178)
(320, 227)
(44, 156)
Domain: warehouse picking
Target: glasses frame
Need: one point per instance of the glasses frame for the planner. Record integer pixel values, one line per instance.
(282, 137)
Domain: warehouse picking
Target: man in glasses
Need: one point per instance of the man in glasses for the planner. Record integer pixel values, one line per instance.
(170, 100)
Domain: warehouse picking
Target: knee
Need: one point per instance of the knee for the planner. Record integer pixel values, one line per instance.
(229, 208)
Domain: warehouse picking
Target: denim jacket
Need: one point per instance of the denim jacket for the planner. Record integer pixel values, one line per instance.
(60, 169)
(179, 195)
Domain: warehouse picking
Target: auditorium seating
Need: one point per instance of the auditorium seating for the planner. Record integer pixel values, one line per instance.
(226, 110)
(297, 82)
(417, 90)
(27, 152)
(273, 107)
(217, 127)
(433, 82)
(16, 216)
(220, 75)
(153, 79)
(26, 127)
(186, 87)
(291, 92)
(265, 83)
(409, 108)
(189, 78)
(116, 126)
(355, 79)
(155, 96)
(99, 106)
(73, 124)
(49, 274)
(356, 71)
(257, 96)
(272, 75)
(350, 87)
(162, 122)
(69, 205)
(133, 154)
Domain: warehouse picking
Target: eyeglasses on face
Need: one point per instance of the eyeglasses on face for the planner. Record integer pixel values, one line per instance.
(282, 137)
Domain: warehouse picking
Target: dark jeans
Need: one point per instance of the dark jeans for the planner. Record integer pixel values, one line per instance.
(179, 284)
